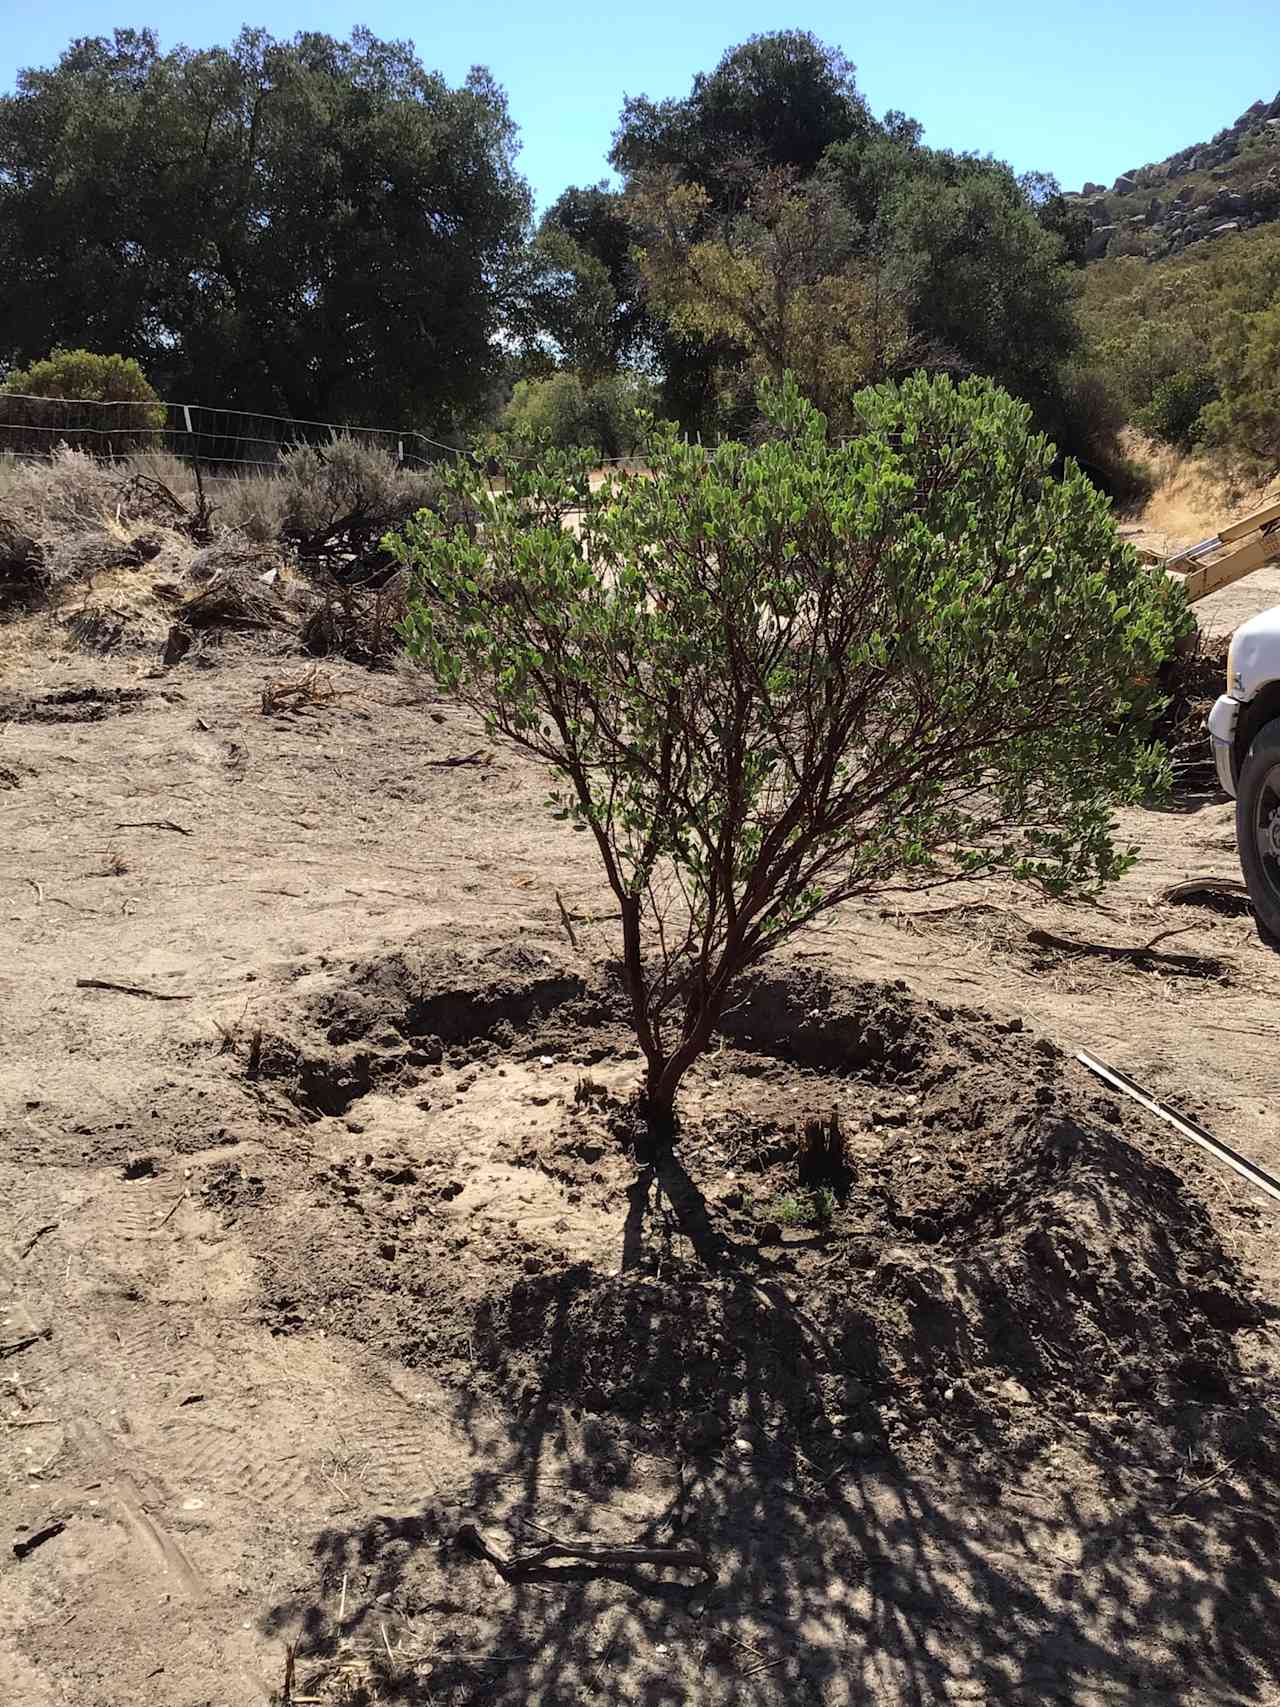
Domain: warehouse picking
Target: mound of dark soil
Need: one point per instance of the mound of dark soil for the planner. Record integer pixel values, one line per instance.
(1019, 1278)
(398, 1015)
(1003, 1258)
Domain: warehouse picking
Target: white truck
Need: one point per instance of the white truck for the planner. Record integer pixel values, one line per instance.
(1244, 724)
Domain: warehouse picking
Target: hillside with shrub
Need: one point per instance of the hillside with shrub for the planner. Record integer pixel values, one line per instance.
(1179, 303)
(1192, 342)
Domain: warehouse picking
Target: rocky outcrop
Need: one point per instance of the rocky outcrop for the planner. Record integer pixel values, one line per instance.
(1170, 204)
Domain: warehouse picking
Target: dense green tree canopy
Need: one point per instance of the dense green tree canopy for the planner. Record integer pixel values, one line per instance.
(777, 100)
(315, 226)
(836, 245)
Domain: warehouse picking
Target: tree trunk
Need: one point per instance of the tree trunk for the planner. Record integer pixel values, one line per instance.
(664, 1076)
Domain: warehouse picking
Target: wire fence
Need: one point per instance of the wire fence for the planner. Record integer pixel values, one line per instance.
(221, 441)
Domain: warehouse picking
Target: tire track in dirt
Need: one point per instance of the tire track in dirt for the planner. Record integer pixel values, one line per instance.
(103, 1458)
(203, 1457)
(135, 1495)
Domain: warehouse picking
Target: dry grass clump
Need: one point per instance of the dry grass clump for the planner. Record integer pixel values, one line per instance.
(79, 556)
(1192, 496)
(299, 693)
(60, 495)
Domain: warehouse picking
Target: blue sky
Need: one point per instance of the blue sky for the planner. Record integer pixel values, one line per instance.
(1083, 91)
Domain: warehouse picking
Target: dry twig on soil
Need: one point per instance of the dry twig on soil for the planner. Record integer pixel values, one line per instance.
(153, 824)
(1136, 953)
(49, 1227)
(128, 990)
(567, 922)
(479, 757)
(604, 1557)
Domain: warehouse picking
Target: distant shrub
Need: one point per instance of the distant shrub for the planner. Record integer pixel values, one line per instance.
(566, 412)
(345, 494)
(253, 505)
(1092, 417)
(1246, 414)
(1173, 414)
(55, 401)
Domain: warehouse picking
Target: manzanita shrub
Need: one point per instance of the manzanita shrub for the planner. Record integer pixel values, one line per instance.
(772, 677)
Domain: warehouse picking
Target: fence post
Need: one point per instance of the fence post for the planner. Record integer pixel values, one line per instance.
(200, 525)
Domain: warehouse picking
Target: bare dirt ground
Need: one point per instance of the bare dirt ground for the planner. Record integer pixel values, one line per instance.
(321, 1241)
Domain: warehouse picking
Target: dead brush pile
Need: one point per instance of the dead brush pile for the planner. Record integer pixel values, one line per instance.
(68, 520)
(149, 552)
(359, 622)
(242, 588)
(302, 693)
(1191, 683)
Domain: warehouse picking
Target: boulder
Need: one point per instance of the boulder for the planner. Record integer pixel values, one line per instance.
(1099, 189)
(1124, 185)
(1099, 237)
(1225, 229)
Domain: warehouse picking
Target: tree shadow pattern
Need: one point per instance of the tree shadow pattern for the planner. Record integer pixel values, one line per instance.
(846, 1572)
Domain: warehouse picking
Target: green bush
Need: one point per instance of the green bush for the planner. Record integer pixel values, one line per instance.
(774, 677)
(1246, 414)
(56, 401)
(802, 1208)
(565, 412)
(1173, 414)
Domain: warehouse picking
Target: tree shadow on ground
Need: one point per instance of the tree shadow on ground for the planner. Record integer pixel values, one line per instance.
(846, 1571)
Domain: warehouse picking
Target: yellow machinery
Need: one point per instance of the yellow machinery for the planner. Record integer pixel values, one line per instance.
(1237, 551)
